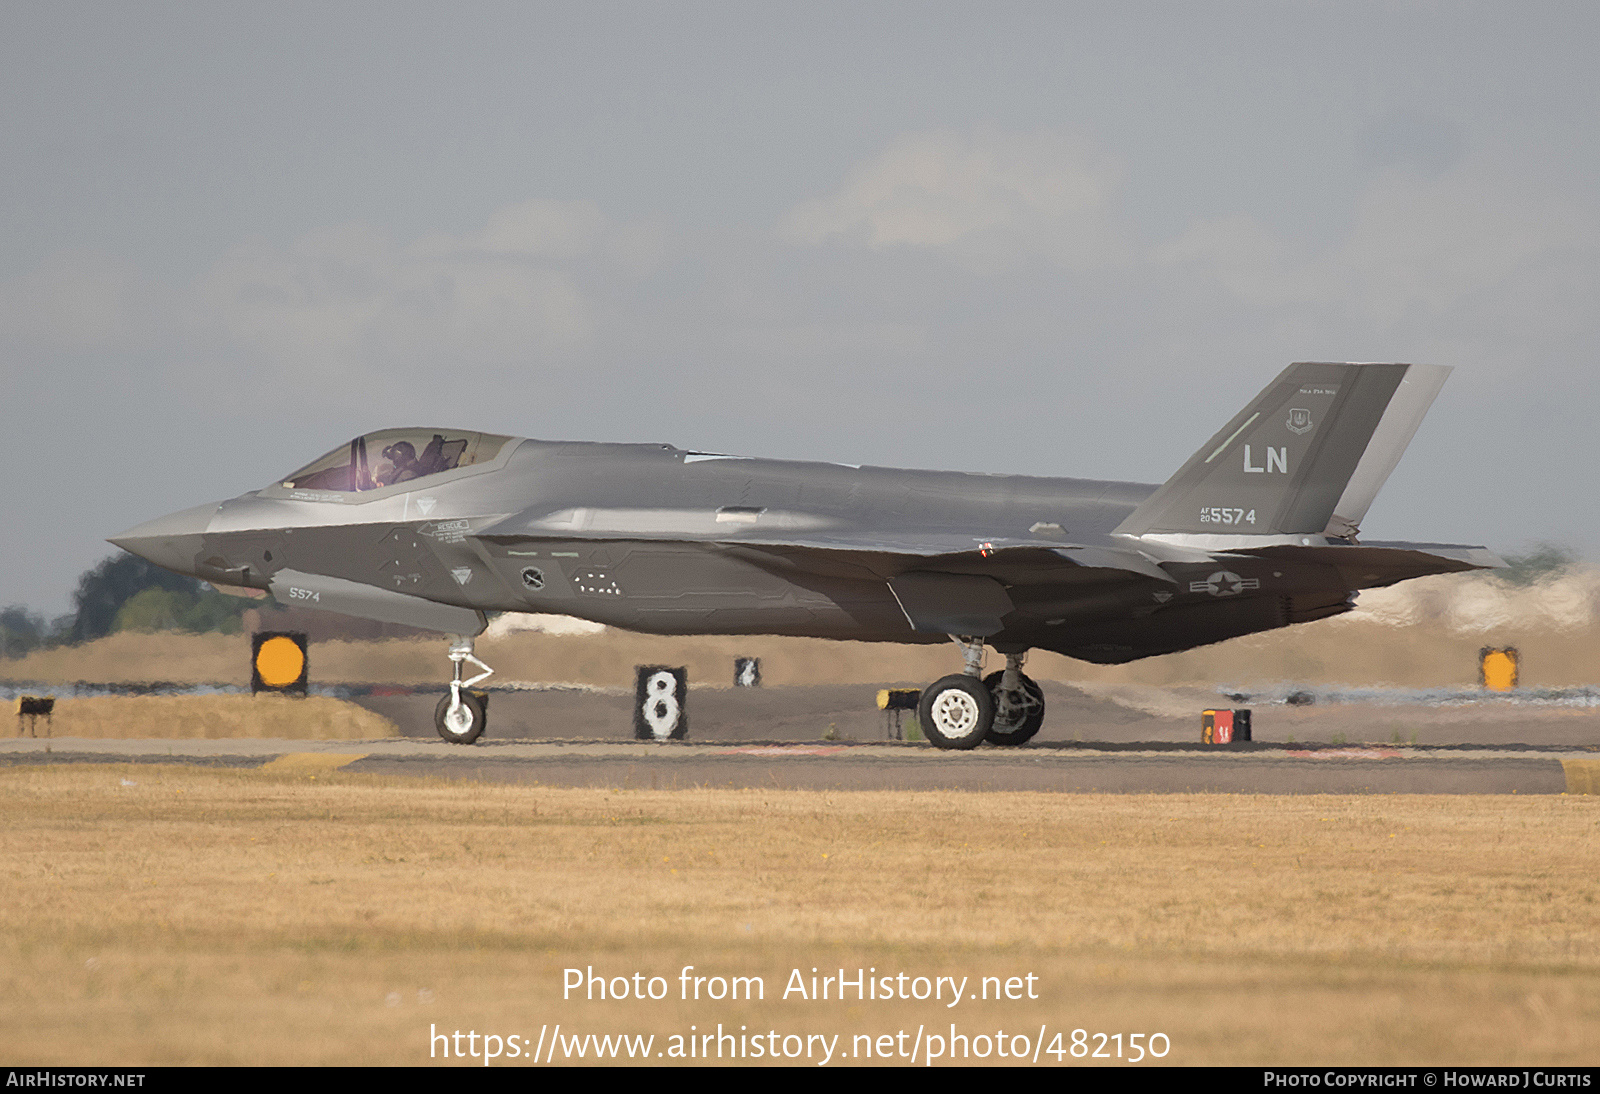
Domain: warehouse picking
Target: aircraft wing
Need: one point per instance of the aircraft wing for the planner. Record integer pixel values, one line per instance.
(945, 583)
(931, 548)
(904, 548)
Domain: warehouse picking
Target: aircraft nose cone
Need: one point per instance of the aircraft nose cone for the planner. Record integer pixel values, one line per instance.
(170, 541)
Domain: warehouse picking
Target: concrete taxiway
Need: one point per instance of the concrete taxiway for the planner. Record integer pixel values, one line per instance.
(1148, 767)
(831, 737)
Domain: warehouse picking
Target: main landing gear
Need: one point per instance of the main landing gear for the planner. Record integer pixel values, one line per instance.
(966, 709)
(462, 715)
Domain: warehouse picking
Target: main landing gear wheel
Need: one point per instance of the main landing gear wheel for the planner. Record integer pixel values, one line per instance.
(460, 723)
(1018, 714)
(956, 712)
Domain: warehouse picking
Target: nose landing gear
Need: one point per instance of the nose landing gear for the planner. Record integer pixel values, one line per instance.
(462, 715)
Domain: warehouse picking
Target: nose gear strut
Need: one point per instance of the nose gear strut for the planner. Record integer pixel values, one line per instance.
(462, 715)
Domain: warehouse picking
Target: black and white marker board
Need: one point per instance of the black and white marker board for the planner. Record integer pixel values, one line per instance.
(660, 711)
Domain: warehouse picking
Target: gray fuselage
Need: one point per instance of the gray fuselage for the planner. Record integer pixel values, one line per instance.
(655, 539)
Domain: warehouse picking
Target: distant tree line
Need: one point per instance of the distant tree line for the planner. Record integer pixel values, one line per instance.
(22, 630)
(125, 593)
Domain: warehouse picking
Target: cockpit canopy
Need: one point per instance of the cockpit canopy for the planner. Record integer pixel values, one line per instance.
(392, 456)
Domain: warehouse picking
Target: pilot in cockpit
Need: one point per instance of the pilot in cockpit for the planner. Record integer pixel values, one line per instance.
(402, 467)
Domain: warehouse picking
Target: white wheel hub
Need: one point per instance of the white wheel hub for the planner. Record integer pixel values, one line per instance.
(458, 719)
(955, 714)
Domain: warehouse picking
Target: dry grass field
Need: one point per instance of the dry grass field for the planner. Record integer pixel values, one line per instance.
(162, 915)
(214, 717)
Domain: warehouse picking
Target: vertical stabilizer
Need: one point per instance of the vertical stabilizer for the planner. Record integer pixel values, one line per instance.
(1396, 428)
(1306, 457)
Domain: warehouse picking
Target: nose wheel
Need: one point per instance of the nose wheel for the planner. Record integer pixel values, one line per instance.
(462, 715)
(460, 720)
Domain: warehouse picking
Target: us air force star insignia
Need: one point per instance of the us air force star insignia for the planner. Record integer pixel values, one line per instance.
(1299, 421)
(1224, 583)
(462, 574)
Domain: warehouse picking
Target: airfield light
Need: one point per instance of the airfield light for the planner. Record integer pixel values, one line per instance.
(1497, 669)
(279, 663)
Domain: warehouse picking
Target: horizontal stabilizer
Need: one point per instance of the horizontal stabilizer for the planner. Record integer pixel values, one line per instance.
(1373, 565)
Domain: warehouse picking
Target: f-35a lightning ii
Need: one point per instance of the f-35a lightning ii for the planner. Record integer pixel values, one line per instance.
(435, 527)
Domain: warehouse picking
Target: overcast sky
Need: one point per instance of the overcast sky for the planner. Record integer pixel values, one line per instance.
(1058, 239)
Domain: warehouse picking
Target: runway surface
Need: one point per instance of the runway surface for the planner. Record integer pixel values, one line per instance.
(1141, 768)
(832, 738)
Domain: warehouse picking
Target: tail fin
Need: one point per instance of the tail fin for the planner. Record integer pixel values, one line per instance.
(1306, 457)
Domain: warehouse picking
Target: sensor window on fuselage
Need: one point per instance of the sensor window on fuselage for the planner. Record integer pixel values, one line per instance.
(394, 456)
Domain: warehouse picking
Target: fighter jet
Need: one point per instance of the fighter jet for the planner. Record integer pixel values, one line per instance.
(435, 527)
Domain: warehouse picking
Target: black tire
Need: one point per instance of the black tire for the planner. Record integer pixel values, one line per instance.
(1015, 723)
(956, 712)
(470, 725)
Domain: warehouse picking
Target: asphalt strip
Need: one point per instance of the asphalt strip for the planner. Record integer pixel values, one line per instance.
(1078, 768)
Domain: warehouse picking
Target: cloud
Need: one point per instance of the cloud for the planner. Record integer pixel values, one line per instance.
(350, 299)
(83, 300)
(351, 302)
(347, 305)
(989, 198)
(1438, 244)
(1465, 244)
(1404, 138)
